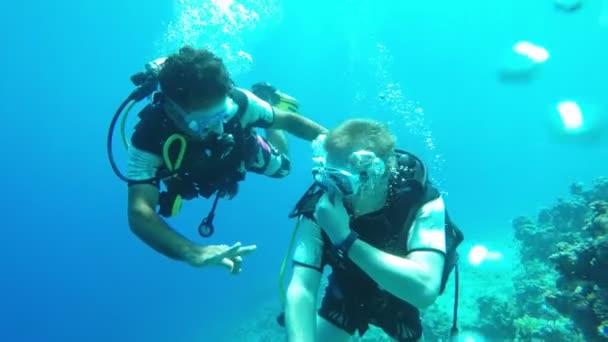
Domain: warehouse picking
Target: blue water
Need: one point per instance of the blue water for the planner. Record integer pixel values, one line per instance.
(72, 270)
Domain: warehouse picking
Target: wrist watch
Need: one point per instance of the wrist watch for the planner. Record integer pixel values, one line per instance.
(343, 247)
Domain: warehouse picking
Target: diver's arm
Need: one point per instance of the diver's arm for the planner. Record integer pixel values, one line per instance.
(415, 278)
(262, 114)
(143, 199)
(151, 229)
(301, 304)
(296, 124)
(301, 301)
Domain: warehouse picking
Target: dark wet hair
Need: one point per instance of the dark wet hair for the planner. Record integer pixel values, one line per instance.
(194, 77)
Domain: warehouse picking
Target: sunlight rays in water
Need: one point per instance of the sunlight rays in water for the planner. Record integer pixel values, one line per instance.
(370, 59)
(220, 25)
(408, 116)
(224, 26)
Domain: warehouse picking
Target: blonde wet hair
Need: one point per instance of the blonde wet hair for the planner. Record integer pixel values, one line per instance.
(360, 134)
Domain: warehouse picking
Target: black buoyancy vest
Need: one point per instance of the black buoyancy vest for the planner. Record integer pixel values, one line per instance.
(388, 228)
(212, 164)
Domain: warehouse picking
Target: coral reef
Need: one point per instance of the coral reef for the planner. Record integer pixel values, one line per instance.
(496, 318)
(583, 268)
(561, 279)
(529, 328)
(562, 286)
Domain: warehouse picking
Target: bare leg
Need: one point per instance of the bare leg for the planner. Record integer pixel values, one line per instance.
(278, 140)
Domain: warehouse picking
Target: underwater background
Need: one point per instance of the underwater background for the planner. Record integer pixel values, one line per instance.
(452, 79)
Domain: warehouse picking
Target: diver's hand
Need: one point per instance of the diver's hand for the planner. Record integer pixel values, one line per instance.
(221, 255)
(332, 217)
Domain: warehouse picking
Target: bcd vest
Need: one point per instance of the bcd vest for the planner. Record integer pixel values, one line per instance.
(386, 229)
(213, 164)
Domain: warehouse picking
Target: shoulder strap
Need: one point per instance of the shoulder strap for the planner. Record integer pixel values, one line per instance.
(152, 128)
(240, 98)
(307, 203)
(453, 238)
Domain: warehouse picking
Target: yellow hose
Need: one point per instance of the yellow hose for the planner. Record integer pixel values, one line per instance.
(177, 201)
(180, 157)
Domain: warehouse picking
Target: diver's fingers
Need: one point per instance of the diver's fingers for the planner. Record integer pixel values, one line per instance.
(237, 268)
(240, 251)
(228, 263)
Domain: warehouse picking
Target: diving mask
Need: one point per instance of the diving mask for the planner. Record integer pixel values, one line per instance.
(333, 179)
(362, 165)
(201, 122)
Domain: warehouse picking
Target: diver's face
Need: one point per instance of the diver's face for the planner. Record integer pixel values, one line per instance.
(203, 119)
(359, 179)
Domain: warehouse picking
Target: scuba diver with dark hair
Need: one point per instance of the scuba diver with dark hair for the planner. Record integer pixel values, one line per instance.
(376, 220)
(198, 137)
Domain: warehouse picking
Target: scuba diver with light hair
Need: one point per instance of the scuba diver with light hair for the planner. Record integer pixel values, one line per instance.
(373, 216)
(198, 137)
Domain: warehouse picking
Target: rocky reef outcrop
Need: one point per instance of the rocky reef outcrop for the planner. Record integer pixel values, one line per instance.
(563, 280)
